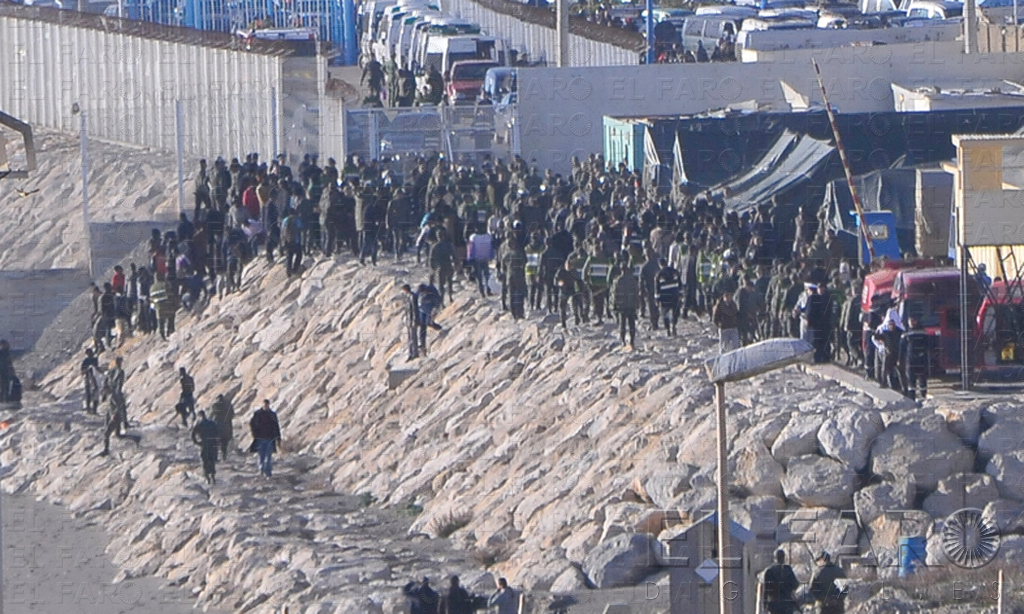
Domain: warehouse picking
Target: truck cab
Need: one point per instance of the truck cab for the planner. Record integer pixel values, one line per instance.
(465, 79)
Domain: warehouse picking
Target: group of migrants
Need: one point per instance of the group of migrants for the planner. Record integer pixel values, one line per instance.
(423, 599)
(213, 434)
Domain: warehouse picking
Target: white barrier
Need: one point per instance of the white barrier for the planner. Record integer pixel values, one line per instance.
(128, 85)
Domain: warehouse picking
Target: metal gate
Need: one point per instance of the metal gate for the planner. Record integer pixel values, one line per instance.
(463, 134)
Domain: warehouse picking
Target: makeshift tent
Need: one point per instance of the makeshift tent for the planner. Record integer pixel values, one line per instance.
(793, 160)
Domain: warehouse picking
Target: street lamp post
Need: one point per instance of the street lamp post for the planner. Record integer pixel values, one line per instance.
(734, 366)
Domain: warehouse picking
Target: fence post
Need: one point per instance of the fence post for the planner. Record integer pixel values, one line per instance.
(179, 130)
(85, 191)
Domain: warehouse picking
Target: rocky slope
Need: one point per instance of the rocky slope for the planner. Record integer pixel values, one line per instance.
(533, 449)
(545, 456)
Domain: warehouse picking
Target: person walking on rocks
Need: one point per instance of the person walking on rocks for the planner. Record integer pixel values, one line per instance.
(266, 432)
(92, 393)
(824, 589)
(667, 291)
(779, 584)
(206, 435)
(428, 300)
(116, 418)
(411, 316)
(726, 317)
(223, 414)
(442, 263)
(625, 296)
(503, 601)
(186, 401)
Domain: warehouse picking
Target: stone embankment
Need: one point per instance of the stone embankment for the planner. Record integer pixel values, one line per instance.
(552, 458)
(555, 459)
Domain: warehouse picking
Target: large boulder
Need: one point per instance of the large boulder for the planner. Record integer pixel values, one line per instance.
(799, 438)
(1008, 471)
(816, 481)
(621, 561)
(960, 491)
(663, 488)
(757, 514)
(924, 451)
(872, 501)
(1006, 435)
(1007, 515)
(964, 422)
(569, 581)
(757, 472)
(847, 436)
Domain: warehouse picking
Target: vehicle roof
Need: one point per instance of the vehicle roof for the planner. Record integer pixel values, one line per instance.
(926, 275)
(468, 62)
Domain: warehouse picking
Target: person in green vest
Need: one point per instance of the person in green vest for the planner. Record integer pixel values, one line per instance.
(598, 273)
(534, 251)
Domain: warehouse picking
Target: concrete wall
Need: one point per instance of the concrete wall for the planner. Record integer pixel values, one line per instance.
(128, 86)
(540, 41)
(560, 111)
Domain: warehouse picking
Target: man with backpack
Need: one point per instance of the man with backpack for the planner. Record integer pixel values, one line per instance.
(779, 584)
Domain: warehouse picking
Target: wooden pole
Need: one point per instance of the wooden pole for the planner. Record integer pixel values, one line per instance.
(522, 603)
(999, 604)
(760, 596)
(846, 164)
(724, 605)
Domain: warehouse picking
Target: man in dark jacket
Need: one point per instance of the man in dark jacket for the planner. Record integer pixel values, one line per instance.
(779, 584)
(667, 286)
(824, 589)
(411, 315)
(186, 401)
(915, 357)
(442, 264)
(626, 299)
(206, 435)
(456, 600)
(266, 432)
(223, 414)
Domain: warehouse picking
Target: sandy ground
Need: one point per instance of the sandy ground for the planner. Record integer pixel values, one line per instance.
(53, 563)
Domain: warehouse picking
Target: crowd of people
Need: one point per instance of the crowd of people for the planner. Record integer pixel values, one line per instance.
(589, 246)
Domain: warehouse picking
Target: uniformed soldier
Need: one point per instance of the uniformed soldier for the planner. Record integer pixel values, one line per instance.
(534, 251)
(597, 273)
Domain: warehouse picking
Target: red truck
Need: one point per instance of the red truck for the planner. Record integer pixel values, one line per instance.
(464, 80)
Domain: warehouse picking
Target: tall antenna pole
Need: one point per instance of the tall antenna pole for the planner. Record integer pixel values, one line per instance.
(846, 165)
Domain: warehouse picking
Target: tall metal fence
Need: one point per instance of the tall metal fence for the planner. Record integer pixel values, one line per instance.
(463, 134)
(138, 87)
